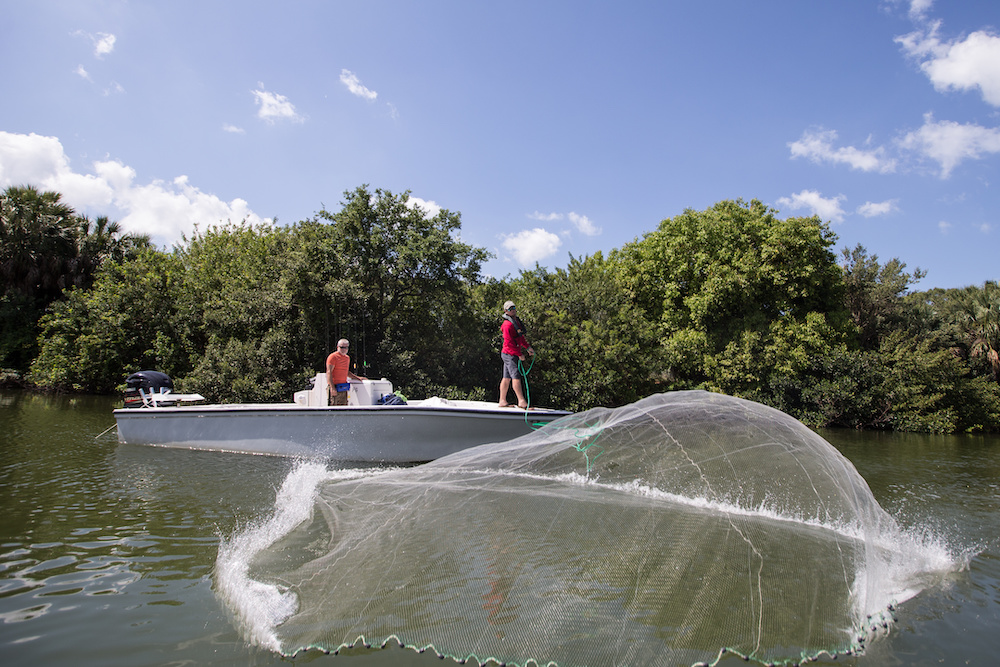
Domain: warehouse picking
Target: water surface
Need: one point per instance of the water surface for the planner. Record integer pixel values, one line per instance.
(107, 551)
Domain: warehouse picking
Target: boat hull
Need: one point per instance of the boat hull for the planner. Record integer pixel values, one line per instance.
(390, 434)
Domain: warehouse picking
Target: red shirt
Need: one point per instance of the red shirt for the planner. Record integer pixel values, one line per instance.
(513, 342)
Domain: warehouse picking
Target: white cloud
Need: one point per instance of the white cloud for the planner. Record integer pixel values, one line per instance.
(919, 8)
(116, 175)
(923, 43)
(949, 143)
(108, 40)
(274, 106)
(827, 208)
(31, 159)
(945, 227)
(349, 79)
(545, 217)
(817, 145)
(164, 210)
(430, 208)
(965, 64)
(104, 43)
(873, 209)
(531, 245)
(584, 224)
(168, 210)
(226, 127)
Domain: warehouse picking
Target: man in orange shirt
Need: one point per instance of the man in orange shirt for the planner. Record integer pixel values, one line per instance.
(338, 369)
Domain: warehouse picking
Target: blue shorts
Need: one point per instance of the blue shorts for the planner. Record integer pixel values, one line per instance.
(510, 369)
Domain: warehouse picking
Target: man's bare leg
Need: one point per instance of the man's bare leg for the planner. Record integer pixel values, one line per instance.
(522, 402)
(504, 389)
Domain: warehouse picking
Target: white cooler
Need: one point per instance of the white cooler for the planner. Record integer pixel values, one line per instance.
(368, 392)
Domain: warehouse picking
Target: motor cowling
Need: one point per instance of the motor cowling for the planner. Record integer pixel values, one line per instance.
(145, 382)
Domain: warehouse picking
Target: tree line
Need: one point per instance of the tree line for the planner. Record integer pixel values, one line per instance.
(732, 299)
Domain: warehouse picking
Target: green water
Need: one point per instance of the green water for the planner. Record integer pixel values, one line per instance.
(107, 551)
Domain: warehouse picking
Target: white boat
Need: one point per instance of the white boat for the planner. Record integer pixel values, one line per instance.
(364, 430)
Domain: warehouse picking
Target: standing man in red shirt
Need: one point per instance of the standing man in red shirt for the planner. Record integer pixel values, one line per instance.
(338, 369)
(515, 345)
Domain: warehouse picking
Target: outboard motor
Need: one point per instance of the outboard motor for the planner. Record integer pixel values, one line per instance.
(140, 386)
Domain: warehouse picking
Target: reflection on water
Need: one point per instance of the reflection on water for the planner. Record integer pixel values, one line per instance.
(100, 537)
(107, 552)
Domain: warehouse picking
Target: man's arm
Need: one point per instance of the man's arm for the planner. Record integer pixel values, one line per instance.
(525, 346)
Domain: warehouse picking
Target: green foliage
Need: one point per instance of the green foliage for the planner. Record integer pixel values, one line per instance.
(458, 393)
(409, 276)
(922, 385)
(875, 293)
(977, 400)
(128, 321)
(249, 312)
(977, 321)
(44, 249)
(37, 242)
(842, 387)
(218, 314)
(19, 316)
(789, 348)
(725, 286)
(246, 371)
(907, 385)
(258, 299)
(729, 299)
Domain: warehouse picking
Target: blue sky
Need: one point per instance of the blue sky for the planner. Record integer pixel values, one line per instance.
(552, 127)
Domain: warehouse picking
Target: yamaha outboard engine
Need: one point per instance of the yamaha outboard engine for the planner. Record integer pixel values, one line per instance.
(139, 386)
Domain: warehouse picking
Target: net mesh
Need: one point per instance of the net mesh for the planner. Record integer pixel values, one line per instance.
(675, 530)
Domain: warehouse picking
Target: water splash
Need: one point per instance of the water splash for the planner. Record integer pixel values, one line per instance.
(260, 607)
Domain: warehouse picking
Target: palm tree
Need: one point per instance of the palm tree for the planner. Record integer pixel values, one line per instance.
(99, 241)
(978, 320)
(37, 247)
(37, 242)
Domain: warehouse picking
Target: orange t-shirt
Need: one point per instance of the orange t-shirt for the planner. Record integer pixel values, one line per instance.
(339, 363)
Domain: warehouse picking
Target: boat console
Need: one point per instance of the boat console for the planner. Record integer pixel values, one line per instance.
(363, 392)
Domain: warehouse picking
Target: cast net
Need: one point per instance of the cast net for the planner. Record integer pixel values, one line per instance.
(675, 530)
